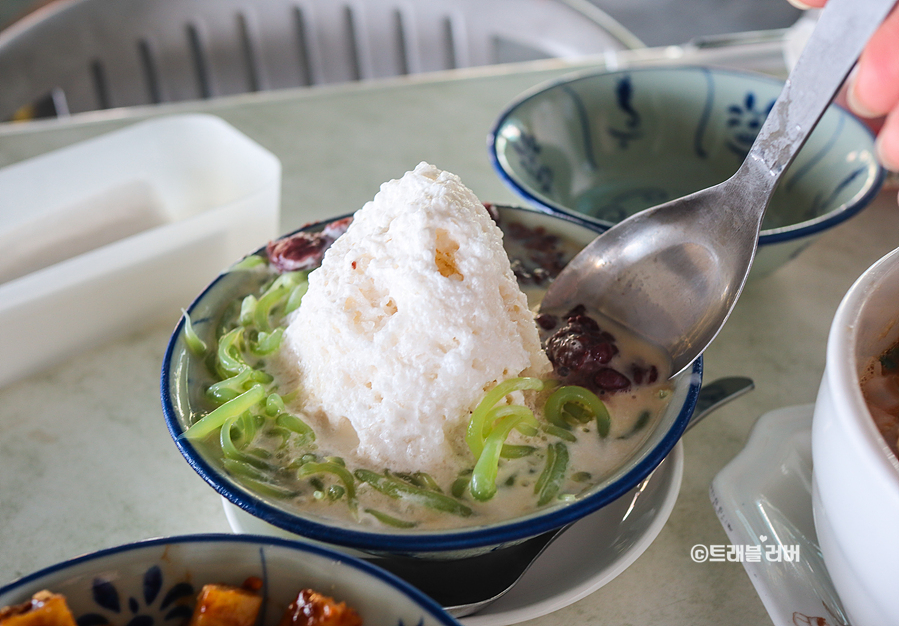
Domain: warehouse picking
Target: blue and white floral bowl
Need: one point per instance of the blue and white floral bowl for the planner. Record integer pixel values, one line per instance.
(155, 582)
(604, 145)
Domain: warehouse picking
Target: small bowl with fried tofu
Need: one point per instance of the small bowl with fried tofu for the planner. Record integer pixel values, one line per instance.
(215, 580)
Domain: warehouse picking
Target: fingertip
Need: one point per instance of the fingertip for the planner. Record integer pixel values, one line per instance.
(856, 104)
(874, 84)
(804, 6)
(886, 146)
(886, 156)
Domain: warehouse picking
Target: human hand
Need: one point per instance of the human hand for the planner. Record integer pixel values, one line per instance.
(872, 89)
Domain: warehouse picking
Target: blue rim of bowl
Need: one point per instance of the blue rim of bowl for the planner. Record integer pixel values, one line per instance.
(766, 237)
(421, 541)
(424, 601)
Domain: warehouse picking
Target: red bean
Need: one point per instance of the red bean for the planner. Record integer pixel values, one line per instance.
(581, 353)
(608, 379)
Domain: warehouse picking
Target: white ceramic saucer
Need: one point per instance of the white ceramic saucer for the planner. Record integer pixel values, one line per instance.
(577, 563)
(763, 498)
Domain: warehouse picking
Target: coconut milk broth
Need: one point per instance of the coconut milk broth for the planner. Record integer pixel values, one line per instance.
(634, 412)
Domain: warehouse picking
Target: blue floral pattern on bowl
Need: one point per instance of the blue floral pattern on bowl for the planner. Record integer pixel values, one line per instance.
(143, 611)
(631, 129)
(744, 120)
(605, 145)
(528, 150)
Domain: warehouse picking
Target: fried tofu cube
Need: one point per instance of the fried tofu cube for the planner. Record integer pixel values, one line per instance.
(44, 609)
(225, 605)
(314, 609)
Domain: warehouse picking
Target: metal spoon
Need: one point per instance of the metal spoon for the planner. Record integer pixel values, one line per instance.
(673, 273)
(465, 586)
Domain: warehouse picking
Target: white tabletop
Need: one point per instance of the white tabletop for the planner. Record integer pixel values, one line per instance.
(85, 458)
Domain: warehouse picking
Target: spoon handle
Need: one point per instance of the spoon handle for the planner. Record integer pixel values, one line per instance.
(841, 33)
(716, 394)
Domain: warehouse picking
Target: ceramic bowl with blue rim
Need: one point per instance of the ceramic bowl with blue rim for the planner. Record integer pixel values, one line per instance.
(156, 582)
(605, 145)
(183, 389)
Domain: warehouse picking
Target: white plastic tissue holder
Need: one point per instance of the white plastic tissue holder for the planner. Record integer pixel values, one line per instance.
(108, 235)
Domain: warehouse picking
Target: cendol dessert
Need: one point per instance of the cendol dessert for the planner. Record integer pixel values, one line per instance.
(389, 369)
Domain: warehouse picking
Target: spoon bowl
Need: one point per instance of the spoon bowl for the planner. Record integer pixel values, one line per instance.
(652, 275)
(673, 273)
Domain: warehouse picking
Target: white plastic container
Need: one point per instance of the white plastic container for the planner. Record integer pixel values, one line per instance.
(108, 235)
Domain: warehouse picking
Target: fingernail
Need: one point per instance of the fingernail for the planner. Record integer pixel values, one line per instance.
(799, 4)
